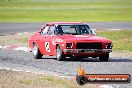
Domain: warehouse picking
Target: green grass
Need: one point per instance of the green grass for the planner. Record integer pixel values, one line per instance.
(48, 80)
(122, 40)
(65, 10)
(12, 79)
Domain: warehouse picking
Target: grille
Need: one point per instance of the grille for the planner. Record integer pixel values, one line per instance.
(89, 46)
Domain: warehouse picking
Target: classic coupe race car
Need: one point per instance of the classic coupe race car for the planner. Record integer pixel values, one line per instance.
(69, 39)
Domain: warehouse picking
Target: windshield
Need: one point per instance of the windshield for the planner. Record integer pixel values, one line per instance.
(73, 29)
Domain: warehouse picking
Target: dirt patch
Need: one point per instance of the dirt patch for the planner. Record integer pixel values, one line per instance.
(19, 39)
(12, 79)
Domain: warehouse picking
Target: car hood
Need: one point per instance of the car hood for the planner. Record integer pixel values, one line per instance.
(84, 38)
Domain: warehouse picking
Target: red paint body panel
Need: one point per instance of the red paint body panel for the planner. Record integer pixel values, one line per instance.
(61, 40)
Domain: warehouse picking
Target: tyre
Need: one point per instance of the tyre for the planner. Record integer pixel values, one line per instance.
(94, 57)
(59, 53)
(104, 57)
(81, 80)
(77, 58)
(36, 52)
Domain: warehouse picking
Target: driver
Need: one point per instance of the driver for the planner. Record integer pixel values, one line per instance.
(59, 30)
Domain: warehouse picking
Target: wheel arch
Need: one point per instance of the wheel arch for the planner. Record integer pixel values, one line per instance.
(33, 43)
(57, 46)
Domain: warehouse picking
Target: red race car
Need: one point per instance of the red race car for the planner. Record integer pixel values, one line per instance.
(69, 39)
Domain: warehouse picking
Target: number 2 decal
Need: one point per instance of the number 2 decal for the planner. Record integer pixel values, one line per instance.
(47, 46)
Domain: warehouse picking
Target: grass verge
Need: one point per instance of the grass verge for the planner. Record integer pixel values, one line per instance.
(65, 10)
(122, 40)
(12, 79)
(20, 39)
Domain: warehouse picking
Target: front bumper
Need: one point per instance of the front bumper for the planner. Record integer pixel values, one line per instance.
(86, 50)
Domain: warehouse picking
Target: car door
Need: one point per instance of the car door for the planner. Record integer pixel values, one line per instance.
(42, 38)
(49, 41)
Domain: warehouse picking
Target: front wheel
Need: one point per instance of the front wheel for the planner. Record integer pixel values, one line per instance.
(59, 53)
(104, 57)
(77, 58)
(36, 52)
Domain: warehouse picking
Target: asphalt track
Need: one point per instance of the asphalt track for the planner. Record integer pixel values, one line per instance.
(10, 28)
(24, 61)
(20, 60)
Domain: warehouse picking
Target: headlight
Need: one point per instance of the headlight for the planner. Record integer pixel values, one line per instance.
(109, 46)
(69, 45)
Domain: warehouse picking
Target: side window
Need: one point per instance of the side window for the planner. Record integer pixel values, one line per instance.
(51, 30)
(44, 31)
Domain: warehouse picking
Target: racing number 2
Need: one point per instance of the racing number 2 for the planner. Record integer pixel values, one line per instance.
(47, 46)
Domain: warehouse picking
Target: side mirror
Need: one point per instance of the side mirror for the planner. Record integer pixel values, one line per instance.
(40, 32)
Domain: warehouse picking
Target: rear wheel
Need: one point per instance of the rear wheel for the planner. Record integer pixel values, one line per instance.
(36, 52)
(104, 57)
(59, 53)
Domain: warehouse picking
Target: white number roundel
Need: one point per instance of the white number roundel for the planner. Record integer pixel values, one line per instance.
(47, 46)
